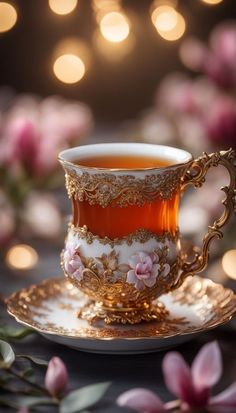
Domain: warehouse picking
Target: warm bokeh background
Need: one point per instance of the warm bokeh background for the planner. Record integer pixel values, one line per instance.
(115, 88)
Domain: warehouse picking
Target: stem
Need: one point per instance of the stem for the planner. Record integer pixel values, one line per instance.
(21, 377)
(15, 390)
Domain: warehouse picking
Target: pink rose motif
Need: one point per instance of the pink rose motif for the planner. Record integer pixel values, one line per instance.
(145, 269)
(72, 261)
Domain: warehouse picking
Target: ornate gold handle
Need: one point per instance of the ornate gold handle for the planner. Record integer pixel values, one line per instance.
(195, 175)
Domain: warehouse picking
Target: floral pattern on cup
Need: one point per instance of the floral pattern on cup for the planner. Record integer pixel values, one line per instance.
(72, 261)
(144, 270)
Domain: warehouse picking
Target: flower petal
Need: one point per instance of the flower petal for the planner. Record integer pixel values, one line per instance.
(150, 282)
(177, 377)
(207, 366)
(166, 270)
(141, 400)
(224, 402)
(131, 277)
(139, 285)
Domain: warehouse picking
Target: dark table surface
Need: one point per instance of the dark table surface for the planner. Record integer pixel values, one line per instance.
(124, 371)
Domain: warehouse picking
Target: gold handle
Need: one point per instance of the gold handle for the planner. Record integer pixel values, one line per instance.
(195, 175)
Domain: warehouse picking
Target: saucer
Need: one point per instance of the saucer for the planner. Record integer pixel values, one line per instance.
(51, 307)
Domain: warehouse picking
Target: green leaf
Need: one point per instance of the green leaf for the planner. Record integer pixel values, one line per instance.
(9, 403)
(25, 401)
(14, 333)
(35, 360)
(85, 397)
(28, 372)
(7, 356)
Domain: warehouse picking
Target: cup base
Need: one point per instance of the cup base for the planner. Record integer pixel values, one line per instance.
(94, 311)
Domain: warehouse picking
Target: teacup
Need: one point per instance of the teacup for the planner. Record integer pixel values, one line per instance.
(123, 244)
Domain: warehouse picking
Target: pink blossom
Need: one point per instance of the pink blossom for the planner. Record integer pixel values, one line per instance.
(175, 93)
(218, 60)
(141, 400)
(223, 43)
(193, 53)
(220, 122)
(72, 261)
(56, 378)
(33, 132)
(145, 269)
(192, 386)
(22, 140)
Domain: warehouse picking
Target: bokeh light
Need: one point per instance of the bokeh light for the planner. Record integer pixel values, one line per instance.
(164, 18)
(71, 60)
(113, 52)
(69, 68)
(21, 257)
(8, 16)
(102, 7)
(168, 22)
(62, 6)
(212, 1)
(114, 27)
(229, 263)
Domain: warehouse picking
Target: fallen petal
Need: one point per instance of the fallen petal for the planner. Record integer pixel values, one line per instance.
(177, 377)
(224, 402)
(141, 400)
(207, 366)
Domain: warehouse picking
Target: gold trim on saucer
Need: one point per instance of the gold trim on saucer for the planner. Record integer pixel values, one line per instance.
(211, 302)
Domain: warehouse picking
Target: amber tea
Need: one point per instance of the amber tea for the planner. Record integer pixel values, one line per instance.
(158, 216)
(123, 162)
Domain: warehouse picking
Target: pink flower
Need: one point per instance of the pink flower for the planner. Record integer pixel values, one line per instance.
(192, 386)
(223, 43)
(145, 269)
(22, 142)
(141, 400)
(56, 378)
(175, 93)
(72, 261)
(220, 122)
(217, 61)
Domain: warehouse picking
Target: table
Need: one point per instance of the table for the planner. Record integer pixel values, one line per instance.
(124, 371)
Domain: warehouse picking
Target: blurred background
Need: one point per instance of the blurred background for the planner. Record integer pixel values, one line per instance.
(82, 71)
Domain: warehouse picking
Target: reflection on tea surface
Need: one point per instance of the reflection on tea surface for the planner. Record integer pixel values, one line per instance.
(123, 162)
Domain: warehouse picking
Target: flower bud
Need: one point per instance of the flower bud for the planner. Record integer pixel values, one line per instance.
(56, 378)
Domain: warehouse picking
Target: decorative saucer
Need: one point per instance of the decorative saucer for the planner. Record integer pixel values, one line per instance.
(51, 307)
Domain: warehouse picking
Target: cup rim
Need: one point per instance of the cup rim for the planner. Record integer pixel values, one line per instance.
(166, 150)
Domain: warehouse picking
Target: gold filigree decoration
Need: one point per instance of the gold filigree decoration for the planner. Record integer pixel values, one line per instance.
(104, 279)
(196, 176)
(142, 235)
(219, 308)
(93, 312)
(123, 190)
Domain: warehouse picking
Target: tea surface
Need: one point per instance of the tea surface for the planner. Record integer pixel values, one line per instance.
(123, 162)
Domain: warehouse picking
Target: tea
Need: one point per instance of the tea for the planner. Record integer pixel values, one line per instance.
(123, 162)
(115, 222)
